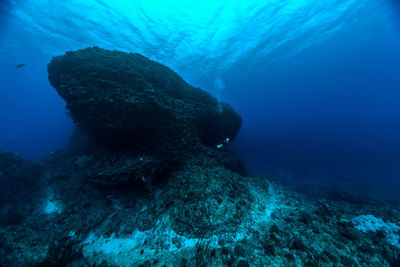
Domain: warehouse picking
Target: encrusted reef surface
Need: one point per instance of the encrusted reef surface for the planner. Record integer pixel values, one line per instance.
(130, 103)
(131, 100)
(145, 182)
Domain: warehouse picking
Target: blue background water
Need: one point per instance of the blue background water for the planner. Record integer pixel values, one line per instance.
(317, 83)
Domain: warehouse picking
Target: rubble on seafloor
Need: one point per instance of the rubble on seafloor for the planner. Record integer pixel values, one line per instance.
(146, 180)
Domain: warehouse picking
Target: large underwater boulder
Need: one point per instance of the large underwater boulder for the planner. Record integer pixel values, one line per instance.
(146, 119)
(128, 99)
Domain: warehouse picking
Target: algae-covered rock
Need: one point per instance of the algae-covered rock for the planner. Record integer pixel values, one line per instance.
(128, 99)
(149, 120)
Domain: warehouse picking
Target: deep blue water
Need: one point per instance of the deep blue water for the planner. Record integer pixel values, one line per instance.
(317, 84)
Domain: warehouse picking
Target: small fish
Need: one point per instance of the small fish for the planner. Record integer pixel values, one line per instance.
(20, 66)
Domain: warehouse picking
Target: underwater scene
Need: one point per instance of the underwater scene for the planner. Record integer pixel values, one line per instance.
(210, 133)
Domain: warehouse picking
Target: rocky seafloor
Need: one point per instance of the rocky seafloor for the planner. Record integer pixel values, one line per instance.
(147, 180)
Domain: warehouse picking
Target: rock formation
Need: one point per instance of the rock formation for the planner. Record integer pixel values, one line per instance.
(130, 100)
(144, 181)
(143, 109)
